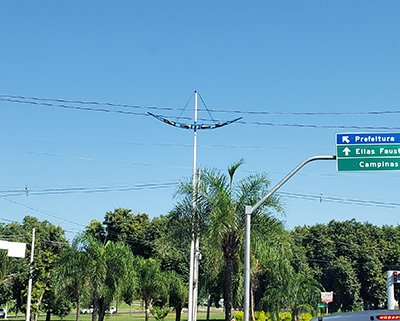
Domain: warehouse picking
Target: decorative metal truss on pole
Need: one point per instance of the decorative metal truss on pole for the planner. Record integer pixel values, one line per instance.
(195, 254)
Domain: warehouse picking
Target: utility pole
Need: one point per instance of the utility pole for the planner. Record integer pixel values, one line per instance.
(391, 279)
(249, 210)
(28, 302)
(194, 244)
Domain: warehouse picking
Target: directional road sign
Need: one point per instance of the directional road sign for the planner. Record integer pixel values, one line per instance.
(368, 152)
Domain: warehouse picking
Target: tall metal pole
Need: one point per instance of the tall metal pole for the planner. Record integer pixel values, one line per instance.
(249, 210)
(28, 302)
(192, 305)
(197, 254)
(194, 244)
(390, 291)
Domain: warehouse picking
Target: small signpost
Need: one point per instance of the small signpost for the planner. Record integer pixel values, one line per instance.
(368, 152)
(327, 297)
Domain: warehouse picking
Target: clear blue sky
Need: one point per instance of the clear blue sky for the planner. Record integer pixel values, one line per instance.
(272, 56)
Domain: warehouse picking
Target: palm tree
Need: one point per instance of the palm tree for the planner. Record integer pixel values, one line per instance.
(177, 293)
(72, 273)
(271, 257)
(106, 264)
(303, 294)
(222, 205)
(152, 283)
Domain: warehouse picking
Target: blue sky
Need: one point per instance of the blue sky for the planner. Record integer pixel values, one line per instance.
(263, 56)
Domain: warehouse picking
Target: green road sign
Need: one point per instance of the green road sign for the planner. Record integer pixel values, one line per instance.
(368, 152)
(369, 164)
(363, 151)
(322, 305)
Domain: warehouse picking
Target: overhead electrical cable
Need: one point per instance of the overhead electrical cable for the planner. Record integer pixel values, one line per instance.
(203, 126)
(22, 98)
(331, 199)
(104, 110)
(319, 126)
(104, 189)
(41, 211)
(82, 102)
(88, 190)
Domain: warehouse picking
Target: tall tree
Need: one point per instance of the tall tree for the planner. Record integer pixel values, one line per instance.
(134, 230)
(271, 266)
(177, 293)
(351, 258)
(107, 265)
(222, 205)
(73, 273)
(152, 285)
(49, 242)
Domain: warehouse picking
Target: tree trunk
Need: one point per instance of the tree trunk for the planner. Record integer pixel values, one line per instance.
(95, 309)
(208, 308)
(147, 309)
(178, 314)
(94, 314)
(228, 297)
(251, 316)
(78, 309)
(102, 309)
(294, 314)
(48, 316)
(35, 316)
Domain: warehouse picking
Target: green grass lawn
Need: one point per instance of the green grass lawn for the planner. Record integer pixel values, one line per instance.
(135, 316)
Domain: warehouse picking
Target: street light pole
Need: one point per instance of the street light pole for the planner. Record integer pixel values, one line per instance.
(249, 210)
(29, 298)
(194, 244)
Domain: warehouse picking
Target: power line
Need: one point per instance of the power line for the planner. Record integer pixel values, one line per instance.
(38, 102)
(218, 110)
(104, 189)
(287, 194)
(41, 211)
(309, 113)
(331, 199)
(104, 110)
(82, 102)
(318, 126)
(86, 190)
(7, 220)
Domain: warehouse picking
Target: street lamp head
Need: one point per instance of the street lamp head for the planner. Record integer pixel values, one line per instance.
(193, 126)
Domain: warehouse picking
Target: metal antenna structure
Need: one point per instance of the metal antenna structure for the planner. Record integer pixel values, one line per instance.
(194, 244)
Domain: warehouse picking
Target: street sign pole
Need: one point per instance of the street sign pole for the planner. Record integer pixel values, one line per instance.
(249, 210)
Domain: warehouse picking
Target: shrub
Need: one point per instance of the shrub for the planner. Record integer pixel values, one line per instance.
(260, 316)
(282, 316)
(305, 317)
(239, 315)
(159, 313)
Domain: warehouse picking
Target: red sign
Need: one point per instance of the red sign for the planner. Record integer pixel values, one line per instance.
(327, 297)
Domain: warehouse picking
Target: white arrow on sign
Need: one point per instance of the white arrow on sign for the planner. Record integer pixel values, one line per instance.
(346, 151)
(345, 139)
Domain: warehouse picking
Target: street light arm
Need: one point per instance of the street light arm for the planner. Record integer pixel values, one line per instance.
(252, 209)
